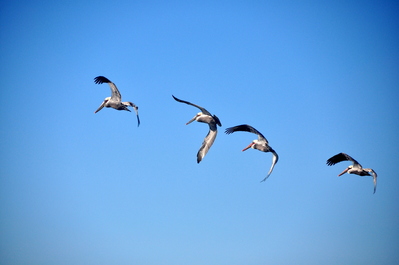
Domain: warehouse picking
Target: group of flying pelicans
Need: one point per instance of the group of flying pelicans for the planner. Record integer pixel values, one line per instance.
(261, 144)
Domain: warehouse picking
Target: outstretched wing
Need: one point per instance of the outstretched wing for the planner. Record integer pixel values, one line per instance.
(136, 109)
(208, 142)
(204, 111)
(246, 128)
(341, 157)
(115, 94)
(274, 162)
(374, 175)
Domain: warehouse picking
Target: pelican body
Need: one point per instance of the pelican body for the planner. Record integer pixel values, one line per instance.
(205, 117)
(115, 100)
(355, 168)
(260, 144)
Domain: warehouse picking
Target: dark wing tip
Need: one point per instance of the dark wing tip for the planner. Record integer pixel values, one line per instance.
(338, 158)
(244, 128)
(332, 160)
(329, 162)
(175, 98)
(182, 101)
(217, 120)
(101, 79)
(229, 130)
(238, 128)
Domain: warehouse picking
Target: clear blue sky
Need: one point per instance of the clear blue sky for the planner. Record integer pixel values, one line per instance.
(315, 77)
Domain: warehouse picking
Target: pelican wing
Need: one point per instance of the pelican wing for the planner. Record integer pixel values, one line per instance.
(374, 175)
(274, 162)
(246, 128)
(136, 109)
(341, 157)
(208, 142)
(216, 119)
(204, 111)
(115, 94)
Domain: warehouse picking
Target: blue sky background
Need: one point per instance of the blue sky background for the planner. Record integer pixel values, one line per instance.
(316, 78)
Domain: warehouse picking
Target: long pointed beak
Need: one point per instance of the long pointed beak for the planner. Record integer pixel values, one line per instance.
(190, 121)
(101, 106)
(343, 172)
(249, 146)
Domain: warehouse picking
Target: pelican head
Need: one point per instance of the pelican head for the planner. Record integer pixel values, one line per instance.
(251, 145)
(195, 118)
(103, 104)
(346, 170)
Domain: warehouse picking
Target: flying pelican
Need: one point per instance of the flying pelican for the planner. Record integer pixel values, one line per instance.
(115, 100)
(356, 168)
(205, 117)
(261, 143)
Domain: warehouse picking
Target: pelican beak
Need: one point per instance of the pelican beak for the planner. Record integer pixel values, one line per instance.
(101, 106)
(249, 146)
(193, 119)
(343, 172)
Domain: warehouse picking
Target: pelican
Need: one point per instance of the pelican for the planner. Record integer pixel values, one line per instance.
(356, 168)
(115, 100)
(205, 117)
(261, 143)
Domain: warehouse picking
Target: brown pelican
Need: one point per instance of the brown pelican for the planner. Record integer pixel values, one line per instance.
(115, 100)
(261, 143)
(205, 117)
(356, 168)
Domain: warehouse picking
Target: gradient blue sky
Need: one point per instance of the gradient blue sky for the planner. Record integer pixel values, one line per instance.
(315, 77)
